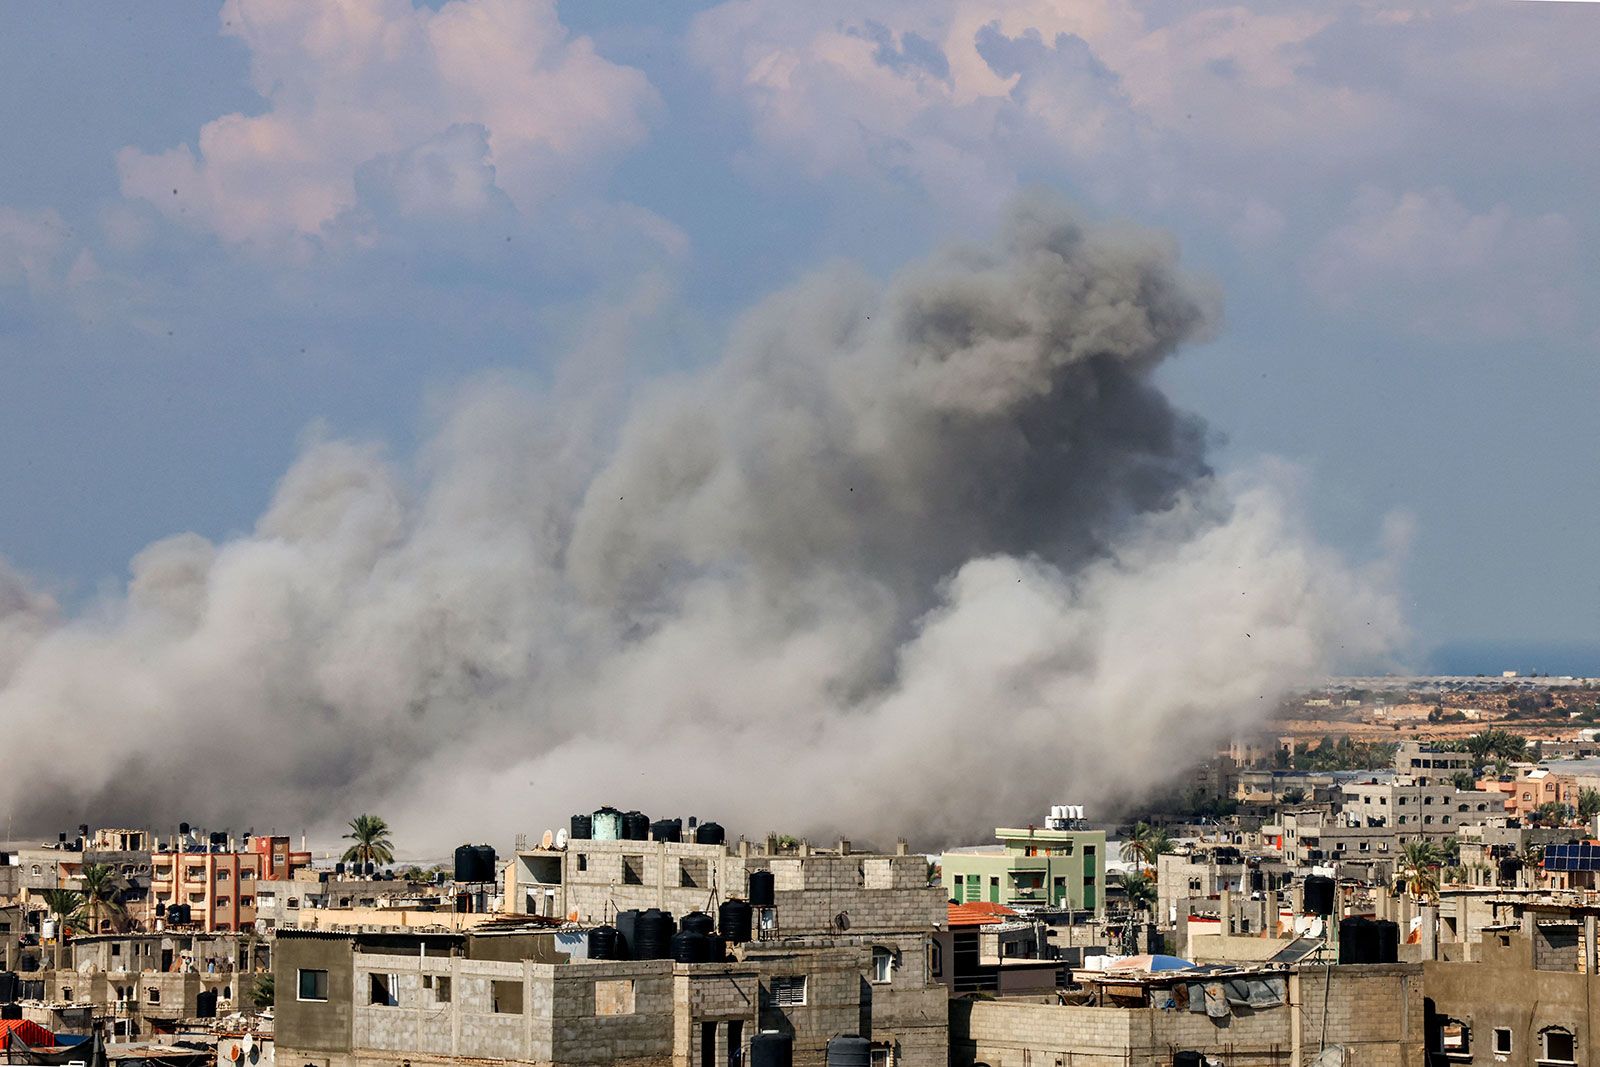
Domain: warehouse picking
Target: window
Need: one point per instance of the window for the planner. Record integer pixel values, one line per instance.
(116, 949)
(1559, 1046)
(882, 964)
(789, 990)
(223, 902)
(935, 960)
(152, 995)
(247, 902)
(1502, 1041)
(882, 1057)
(267, 900)
(222, 876)
(246, 875)
(633, 870)
(1455, 1039)
(613, 996)
(197, 898)
(694, 873)
(441, 989)
(506, 997)
(294, 902)
(313, 984)
(66, 994)
(383, 989)
(194, 874)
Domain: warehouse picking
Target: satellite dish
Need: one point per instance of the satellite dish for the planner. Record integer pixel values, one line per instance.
(561, 839)
(249, 1044)
(548, 839)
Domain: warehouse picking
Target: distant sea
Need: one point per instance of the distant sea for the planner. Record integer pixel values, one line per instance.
(1577, 658)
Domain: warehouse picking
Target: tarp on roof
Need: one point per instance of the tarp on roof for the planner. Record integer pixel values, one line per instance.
(1151, 964)
(27, 1031)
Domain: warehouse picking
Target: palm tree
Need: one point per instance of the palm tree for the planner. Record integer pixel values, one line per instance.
(1418, 869)
(372, 843)
(1146, 842)
(102, 899)
(1588, 803)
(1141, 891)
(63, 904)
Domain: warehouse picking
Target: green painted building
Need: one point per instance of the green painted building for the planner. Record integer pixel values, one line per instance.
(1031, 866)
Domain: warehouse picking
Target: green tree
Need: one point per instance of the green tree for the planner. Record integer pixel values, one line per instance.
(1294, 796)
(1146, 842)
(372, 842)
(1141, 891)
(1463, 779)
(63, 904)
(1417, 870)
(102, 899)
(1588, 803)
(1552, 813)
(264, 993)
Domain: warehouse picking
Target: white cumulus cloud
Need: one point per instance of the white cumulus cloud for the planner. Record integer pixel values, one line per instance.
(448, 102)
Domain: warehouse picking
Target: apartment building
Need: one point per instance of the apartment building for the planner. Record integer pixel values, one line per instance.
(217, 884)
(1031, 866)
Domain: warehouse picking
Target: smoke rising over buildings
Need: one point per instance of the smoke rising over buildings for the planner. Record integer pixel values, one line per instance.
(904, 556)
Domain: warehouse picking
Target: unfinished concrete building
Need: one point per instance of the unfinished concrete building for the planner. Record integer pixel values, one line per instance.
(1528, 997)
(359, 1000)
(1368, 1015)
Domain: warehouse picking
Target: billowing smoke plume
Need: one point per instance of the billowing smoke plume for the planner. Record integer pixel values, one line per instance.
(910, 559)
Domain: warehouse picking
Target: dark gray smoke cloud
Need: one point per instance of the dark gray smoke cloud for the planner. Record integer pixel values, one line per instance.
(917, 559)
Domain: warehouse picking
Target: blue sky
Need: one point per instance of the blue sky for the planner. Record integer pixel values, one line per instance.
(224, 229)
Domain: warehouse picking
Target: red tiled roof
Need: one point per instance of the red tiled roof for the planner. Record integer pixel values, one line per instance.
(977, 913)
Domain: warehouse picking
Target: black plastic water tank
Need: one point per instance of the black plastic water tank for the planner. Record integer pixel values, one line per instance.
(605, 943)
(666, 830)
(582, 827)
(338, 868)
(628, 932)
(689, 946)
(734, 920)
(762, 889)
(1357, 941)
(635, 826)
(709, 833)
(716, 949)
(698, 921)
(652, 938)
(1319, 894)
(769, 1048)
(849, 1050)
(469, 865)
(1388, 941)
(486, 862)
(1188, 1059)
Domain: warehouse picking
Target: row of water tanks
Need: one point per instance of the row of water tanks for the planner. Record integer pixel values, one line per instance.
(609, 824)
(773, 1048)
(652, 934)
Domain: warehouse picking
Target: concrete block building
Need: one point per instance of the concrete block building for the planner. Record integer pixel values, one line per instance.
(1031, 866)
(365, 1000)
(1371, 1015)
